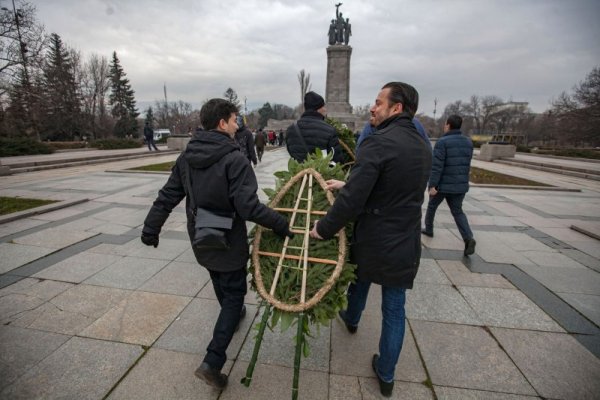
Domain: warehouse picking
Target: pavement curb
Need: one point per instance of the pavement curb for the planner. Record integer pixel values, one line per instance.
(524, 187)
(40, 210)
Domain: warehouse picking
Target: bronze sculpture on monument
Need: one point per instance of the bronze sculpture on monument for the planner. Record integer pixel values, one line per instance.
(337, 92)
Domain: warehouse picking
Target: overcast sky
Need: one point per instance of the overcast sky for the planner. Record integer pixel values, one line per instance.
(524, 50)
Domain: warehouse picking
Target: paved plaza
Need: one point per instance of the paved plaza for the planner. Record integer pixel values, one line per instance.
(88, 312)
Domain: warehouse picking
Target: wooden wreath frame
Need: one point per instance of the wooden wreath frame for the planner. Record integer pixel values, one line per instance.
(304, 257)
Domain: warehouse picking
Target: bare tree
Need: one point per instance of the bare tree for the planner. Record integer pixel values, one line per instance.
(305, 85)
(95, 83)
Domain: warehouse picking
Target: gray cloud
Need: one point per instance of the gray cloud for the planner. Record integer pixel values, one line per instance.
(528, 50)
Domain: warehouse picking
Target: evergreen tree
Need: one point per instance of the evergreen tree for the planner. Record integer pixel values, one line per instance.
(61, 102)
(232, 97)
(122, 101)
(265, 113)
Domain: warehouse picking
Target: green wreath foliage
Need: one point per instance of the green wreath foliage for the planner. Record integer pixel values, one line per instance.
(288, 289)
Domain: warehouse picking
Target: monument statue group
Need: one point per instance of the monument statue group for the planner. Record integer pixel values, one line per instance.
(339, 30)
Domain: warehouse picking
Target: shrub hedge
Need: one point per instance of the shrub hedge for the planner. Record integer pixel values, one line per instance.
(23, 147)
(111, 144)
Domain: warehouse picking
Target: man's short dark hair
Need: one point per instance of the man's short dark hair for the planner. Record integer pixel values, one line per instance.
(214, 111)
(404, 93)
(454, 121)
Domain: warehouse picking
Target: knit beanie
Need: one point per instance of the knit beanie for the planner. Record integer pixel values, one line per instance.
(312, 101)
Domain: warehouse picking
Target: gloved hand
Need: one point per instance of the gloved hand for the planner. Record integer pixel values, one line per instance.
(150, 240)
(285, 232)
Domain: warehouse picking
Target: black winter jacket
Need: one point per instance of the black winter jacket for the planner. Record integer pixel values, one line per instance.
(244, 139)
(316, 133)
(451, 163)
(383, 195)
(222, 179)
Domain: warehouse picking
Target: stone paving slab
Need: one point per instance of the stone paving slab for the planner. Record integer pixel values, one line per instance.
(163, 374)
(492, 249)
(275, 382)
(442, 239)
(168, 249)
(402, 390)
(80, 369)
(21, 349)
(77, 268)
(26, 295)
(20, 225)
(430, 272)
(440, 303)
(586, 304)
(351, 354)
(140, 318)
(16, 255)
(571, 373)
(551, 259)
(278, 348)
(467, 357)
(587, 246)
(54, 238)
(73, 310)
(191, 331)
(183, 279)
(451, 393)
(565, 280)
(460, 275)
(127, 273)
(507, 308)
(522, 242)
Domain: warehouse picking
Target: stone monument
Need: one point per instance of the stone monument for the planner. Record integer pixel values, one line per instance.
(337, 91)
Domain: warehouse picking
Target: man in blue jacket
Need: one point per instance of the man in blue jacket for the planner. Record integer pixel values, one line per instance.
(450, 179)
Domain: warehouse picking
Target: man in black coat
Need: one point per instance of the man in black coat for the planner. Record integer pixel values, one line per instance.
(314, 131)
(383, 195)
(149, 136)
(222, 181)
(244, 139)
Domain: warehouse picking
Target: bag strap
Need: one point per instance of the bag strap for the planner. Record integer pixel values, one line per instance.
(297, 129)
(188, 184)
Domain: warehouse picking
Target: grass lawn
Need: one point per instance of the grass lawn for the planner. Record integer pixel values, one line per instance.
(478, 175)
(483, 176)
(156, 167)
(13, 204)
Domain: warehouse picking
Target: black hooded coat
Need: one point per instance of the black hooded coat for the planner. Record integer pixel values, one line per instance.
(222, 180)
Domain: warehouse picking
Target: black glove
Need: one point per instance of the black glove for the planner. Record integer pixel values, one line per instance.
(150, 240)
(284, 232)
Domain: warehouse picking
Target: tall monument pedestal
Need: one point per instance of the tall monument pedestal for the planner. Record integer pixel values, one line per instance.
(337, 91)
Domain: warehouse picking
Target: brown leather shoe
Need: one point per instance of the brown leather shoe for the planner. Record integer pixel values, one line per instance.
(211, 376)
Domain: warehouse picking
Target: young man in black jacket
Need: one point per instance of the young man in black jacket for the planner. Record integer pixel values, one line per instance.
(222, 181)
(383, 195)
(314, 131)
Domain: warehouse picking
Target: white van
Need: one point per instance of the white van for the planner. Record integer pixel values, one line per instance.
(160, 133)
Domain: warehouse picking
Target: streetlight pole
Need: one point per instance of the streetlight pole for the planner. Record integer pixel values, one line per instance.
(434, 111)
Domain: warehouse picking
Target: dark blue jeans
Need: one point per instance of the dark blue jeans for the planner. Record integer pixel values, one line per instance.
(392, 323)
(455, 203)
(230, 288)
(150, 142)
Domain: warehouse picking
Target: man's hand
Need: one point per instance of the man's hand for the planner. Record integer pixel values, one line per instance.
(313, 233)
(433, 191)
(150, 240)
(285, 232)
(334, 184)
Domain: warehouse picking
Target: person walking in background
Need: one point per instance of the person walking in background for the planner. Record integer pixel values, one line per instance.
(221, 182)
(449, 179)
(260, 141)
(149, 136)
(244, 139)
(311, 131)
(383, 195)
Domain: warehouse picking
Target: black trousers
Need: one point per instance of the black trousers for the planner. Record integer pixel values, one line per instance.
(259, 152)
(230, 288)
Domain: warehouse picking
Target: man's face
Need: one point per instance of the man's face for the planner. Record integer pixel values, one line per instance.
(383, 109)
(230, 126)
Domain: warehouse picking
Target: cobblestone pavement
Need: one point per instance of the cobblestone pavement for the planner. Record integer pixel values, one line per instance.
(88, 312)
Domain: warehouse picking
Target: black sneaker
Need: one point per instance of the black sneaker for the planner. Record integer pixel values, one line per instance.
(386, 388)
(351, 328)
(427, 233)
(469, 247)
(211, 376)
(242, 315)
